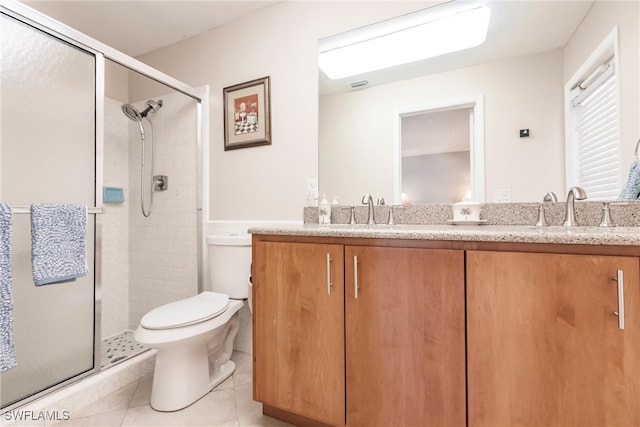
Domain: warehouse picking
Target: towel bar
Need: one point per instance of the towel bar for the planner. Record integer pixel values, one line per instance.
(25, 209)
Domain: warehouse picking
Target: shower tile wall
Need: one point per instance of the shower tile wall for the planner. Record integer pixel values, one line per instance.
(115, 223)
(163, 247)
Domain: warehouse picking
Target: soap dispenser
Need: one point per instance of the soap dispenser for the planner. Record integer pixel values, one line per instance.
(324, 211)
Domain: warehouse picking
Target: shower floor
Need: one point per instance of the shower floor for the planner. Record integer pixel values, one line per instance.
(119, 348)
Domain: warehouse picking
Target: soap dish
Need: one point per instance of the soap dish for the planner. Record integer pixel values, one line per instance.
(467, 222)
(112, 195)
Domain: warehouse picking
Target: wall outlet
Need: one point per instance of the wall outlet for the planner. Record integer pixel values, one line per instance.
(312, 190)
(502, 196)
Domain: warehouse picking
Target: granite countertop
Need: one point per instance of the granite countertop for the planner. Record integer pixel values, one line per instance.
(591, 235)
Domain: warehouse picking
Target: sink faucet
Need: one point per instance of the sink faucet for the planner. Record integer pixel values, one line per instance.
(575, 193)
(368, 200)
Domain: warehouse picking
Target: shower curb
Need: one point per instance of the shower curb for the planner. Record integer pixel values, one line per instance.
(65, 402)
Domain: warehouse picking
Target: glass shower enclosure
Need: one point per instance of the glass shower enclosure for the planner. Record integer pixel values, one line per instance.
(63, 137)
(48, 154)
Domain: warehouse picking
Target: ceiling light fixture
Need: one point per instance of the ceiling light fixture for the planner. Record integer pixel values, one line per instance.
(408, 38)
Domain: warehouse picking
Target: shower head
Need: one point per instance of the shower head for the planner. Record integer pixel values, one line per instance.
(132, 112)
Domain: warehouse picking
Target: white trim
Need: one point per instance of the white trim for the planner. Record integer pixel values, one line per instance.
(598, 55)
(476, 143)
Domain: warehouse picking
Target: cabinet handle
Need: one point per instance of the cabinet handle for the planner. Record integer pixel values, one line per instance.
(355, 276)
(620, 313)
(329, 284)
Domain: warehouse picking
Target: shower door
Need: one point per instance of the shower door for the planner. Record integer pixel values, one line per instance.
(48, 109)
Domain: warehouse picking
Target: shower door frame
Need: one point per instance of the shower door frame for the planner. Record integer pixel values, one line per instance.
(102, 52)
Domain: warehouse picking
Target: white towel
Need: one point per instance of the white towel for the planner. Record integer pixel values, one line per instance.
(58, 243)
(7, 346)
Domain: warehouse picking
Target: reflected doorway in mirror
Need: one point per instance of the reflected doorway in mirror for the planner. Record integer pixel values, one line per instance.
(439, 152)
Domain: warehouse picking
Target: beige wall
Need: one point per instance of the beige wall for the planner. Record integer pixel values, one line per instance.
(523, 92)
(268, 182)
(600, 21)
(116, 84)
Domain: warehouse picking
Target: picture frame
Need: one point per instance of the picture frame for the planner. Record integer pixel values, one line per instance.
(247, 114)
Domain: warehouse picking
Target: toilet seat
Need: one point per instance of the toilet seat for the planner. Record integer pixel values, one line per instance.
(188, 311)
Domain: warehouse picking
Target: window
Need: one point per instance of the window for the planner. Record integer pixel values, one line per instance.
(593, 144)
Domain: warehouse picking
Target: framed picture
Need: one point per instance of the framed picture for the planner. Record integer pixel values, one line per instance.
(247, 115)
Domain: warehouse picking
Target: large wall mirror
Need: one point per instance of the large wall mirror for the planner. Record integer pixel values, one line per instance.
(533, 48)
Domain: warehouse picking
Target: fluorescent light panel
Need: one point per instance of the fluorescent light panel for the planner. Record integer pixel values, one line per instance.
(402, 44)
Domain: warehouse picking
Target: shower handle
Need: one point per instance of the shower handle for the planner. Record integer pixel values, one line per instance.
(160, 183)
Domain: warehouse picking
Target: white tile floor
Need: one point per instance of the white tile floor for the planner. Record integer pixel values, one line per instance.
(230, 404)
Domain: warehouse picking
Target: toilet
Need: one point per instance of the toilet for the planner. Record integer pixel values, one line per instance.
(194, 336)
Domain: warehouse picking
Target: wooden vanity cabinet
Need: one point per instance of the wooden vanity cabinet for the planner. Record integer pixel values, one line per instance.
(372, 335)
(544, 345)
(298, 335)
(405, 345)
(404, 340)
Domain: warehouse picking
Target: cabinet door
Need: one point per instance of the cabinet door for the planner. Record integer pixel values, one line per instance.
(405, 337)
(544, 347)
(298, 329)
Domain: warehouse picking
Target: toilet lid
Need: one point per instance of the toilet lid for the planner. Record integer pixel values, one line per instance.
(198, 308)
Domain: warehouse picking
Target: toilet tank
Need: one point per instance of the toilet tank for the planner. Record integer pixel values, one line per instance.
(230, 264)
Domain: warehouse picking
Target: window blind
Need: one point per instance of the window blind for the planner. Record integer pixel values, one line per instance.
(595, 121)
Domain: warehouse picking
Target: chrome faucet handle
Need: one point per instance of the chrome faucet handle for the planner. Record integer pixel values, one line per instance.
(542, 219)
(606, 220)
(391, 219)
(353, 216)
(381, 201)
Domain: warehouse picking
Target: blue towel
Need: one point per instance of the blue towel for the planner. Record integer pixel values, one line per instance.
(631, 190)
(58, 243)
(7, 347)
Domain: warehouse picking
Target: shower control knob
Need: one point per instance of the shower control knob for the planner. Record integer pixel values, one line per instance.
(160, 183)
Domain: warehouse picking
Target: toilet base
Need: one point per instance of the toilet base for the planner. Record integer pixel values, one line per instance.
(183, 374)
(224, 372)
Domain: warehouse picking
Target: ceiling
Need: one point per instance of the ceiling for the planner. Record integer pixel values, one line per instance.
(140, 26)
(517, 27)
